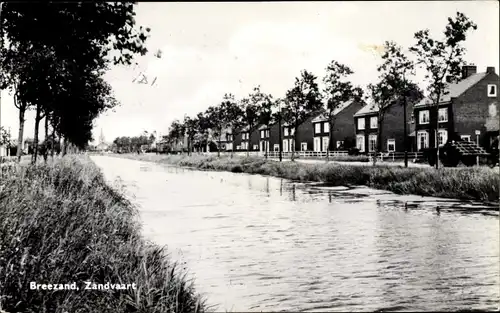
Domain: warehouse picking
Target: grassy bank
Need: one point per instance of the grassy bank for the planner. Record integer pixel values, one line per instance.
(480, 184)
(61, 223)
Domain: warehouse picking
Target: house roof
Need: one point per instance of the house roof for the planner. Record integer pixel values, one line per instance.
(324, 116)
(367, 109)
(455, 90)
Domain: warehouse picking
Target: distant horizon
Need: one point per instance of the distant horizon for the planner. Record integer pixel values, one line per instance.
(213, 48)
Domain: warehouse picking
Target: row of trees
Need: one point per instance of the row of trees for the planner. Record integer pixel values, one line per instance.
(52, 58)
(438, 58)
(134, 144)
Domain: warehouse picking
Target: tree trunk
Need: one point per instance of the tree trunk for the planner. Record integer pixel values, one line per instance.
(436, 141)
(46, 141)
(405, 131)
(280, 138)
(22, 110)
(330, 136)
(35, 139)
(292, 146)
(378, 145)
(52, 142)
(218, 148)
(64, 147)
(59, 143)
(249, 138)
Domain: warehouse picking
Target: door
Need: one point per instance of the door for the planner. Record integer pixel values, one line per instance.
(317, 146)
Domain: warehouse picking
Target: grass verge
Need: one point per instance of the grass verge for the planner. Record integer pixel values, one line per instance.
(481, 184)
(61, 223)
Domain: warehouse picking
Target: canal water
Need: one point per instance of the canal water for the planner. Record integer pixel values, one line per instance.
(255, 243)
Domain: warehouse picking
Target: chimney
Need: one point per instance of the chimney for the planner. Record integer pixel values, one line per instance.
(468, 70)
(490, 69)
(449, 79)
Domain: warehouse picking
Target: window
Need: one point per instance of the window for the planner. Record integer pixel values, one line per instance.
(303, 146)
(339, 143)
(285, 131)
(391, 145)
(442, 136)
(325, 144)
(238, 147)
(361, 123)
(229, 146)
(326, 127)
(291, 144)
(267, 133)
(412, 118)
(372, 141)
(292, 131)
(317, 128)
(373, 122)
(262, 134)
(285, 145)
(443, 115)
(423, 117)
(317, 144)
(360, 143)
(276, 148)
(422, 140)
(255, 147)
(465, 137)
(492, 90)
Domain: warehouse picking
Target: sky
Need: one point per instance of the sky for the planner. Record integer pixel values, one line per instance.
(213, 48)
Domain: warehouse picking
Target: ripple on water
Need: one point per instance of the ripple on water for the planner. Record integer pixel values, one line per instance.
(257, 243)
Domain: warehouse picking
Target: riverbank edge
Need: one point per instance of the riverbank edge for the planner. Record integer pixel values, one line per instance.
(469, 184)
(61, 223)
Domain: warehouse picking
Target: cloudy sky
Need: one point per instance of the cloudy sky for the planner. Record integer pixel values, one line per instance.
(209, 49)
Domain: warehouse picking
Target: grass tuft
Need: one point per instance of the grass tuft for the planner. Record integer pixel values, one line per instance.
(61, 223)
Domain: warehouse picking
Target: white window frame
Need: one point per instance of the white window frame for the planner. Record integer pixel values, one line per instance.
(326, 127)
(361, 123)
(360, 143)
(238, 147)
(370, 139)
(292, 131)
(339, 143)
(465, 137)
(255, 148)
(276, 147)
(324, 143)
(412, 118)
(494, 94)
(317, 128)
(285, 131)
(267, 133)
(445, 137)
(229, 146)
(373, 122)
(317, 144)
(421, 115)
(445, 116)
(393, 143)
(303, 146)
(262, 134)
(285, 145)
(426, 142)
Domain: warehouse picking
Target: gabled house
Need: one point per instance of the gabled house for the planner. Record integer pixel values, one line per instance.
(243, 142)
(269, 138)
(344, 129)
(366, 127)
(304, 135)
(469, 111)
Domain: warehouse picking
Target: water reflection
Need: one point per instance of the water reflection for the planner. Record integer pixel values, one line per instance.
(311, 247)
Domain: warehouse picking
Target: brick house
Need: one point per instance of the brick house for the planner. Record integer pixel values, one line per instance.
(366, 126)
(269, 137)
(242, 140)
(470, 105)
(304, 135)
(343, 127)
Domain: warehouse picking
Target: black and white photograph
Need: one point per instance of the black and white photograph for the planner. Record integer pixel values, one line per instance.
(249, 156)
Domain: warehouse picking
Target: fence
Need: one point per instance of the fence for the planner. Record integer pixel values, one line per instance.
(383, 156)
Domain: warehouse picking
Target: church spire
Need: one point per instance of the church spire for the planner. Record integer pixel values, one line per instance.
(101, 137)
